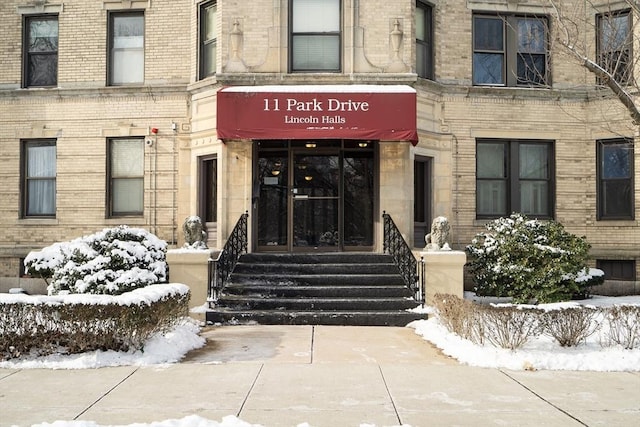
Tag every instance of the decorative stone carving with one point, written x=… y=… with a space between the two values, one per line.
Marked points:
x=236 y=37
x=438 y=239
x=194 y=236
x=396 y=40
x=396 y=36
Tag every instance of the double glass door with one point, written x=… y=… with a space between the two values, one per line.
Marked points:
x=314 y=200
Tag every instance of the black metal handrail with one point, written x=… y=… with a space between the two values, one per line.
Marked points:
x=412 y=270
x=221 y=267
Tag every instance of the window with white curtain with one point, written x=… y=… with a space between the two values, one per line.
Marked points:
x=126 y=48
x=126 y=176
x=40 y=43
x=39 y=178
x=315 y=35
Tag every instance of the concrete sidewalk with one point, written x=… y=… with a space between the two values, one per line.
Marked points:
x=325 y=376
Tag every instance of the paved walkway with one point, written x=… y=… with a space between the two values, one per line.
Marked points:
x=325 y=376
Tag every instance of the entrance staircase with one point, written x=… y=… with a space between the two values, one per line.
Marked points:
x=364 y=289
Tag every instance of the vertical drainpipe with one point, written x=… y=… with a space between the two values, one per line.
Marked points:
x=153 y=180
x=174 y=189
x=155 y=187
x=352 y=35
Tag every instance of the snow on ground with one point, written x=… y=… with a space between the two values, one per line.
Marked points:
x=542 y=352
x=170 y=347
x=164 y=348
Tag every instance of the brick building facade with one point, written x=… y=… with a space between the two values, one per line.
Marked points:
x=109 y=115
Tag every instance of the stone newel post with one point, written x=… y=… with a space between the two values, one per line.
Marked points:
x=444 y=268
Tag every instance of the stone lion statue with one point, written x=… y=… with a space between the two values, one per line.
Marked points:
x=439 y=236
x=194 y=236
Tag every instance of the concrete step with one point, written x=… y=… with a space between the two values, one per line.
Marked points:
x=353 y=279
x=315 y=288
x=317 y=258
x=342 y=318
x=241 y=302
x=343 y=268
x=303 y=291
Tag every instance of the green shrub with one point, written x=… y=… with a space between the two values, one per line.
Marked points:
x=113 y=261
x=530 y=261
x=41 y=325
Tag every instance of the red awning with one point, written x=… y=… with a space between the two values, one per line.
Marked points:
x=375 y=112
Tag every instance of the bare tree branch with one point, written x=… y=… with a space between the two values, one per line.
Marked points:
x=568 y=35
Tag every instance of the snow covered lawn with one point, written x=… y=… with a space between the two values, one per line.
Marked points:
x=171 y=348
x=540 y=353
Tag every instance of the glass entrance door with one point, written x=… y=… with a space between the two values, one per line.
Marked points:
x=271 y=194
x=316 y=199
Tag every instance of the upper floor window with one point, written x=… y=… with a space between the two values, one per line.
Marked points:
x=315 y=35
x=424 y=40
x=208 y=38
x=615 y=179
x=39 y=178
x=514 y=176
x=126 y=176
x=615 y=44
x=40 y=60
x=510 y=50
x=126 y=48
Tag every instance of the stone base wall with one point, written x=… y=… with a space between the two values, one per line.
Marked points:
x=190 y=267
x=444 y=273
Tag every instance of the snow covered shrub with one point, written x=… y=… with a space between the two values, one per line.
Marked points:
x=459 y=316
x=113 y=261
x=41 y=325
x=509 y=327
x=624 y=326
x=571 y=326
x=530 y=260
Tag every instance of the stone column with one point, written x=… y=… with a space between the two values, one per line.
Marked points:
x=190 y=267
x=444 y=273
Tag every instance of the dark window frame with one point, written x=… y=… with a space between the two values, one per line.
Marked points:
x=208 y=168
x=26 y=178
x=617 y=269
x=292 y=35
x=28 y=55
x=111 y=212
x=602 y=182
x=622 y=75
x=204 y=43
x=427 y=44
x=111 y=16
x=422 y=200
x=513 y=180
x=512 y=56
